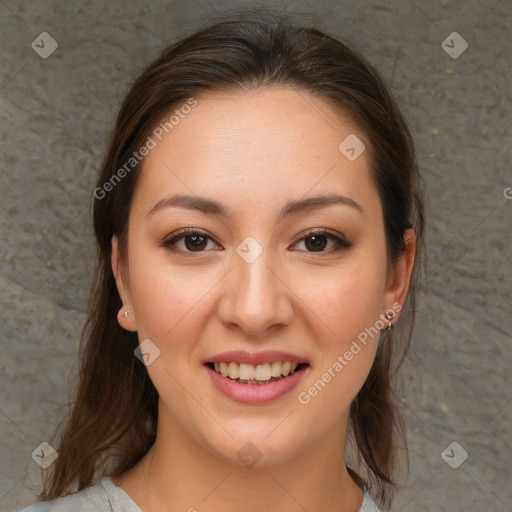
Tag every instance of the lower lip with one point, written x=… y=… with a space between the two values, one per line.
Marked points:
x=255 y=393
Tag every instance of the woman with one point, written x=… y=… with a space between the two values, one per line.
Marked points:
x=259 y=219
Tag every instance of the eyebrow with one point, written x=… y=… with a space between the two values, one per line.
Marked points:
x=205 y=205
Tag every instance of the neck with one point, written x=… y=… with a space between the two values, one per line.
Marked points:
x=179 y=474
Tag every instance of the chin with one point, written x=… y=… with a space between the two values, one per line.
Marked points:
x=257 y=449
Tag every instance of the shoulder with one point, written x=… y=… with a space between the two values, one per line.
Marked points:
x=368 y=505
x=101 y=497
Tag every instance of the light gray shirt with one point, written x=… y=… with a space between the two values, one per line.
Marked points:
x=105 y=496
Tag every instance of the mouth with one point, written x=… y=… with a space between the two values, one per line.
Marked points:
x=265 y=373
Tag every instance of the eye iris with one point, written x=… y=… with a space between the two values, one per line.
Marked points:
x=195 y=242
x=317 y=241
x=197 y=238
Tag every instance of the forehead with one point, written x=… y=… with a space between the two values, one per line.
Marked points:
x=247 y=147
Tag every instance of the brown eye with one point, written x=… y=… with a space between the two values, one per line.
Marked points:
x=317 y=241
x=193 y=241
x=197 y=242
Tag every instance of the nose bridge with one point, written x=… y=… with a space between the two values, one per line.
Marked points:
x=257 y=298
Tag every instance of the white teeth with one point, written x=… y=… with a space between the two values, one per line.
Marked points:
x=246 y=371
x=260 y=372
x=275 y=369
x=263 y=372
x=233 y=370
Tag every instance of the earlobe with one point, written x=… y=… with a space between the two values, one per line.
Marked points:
x=125 y=316
x=126 y=320
x=399 y=284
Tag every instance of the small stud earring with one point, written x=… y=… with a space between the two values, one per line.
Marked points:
x=126 y=313
x=389 y=317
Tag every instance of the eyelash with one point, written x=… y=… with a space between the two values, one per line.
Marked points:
x=169 y=243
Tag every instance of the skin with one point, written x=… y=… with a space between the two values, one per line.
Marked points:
x=253 y=152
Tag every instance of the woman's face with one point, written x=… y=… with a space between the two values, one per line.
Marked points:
x=253 y=279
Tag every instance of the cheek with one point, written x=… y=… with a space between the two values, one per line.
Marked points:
x=349 y=306
x=168 y=301
x=170 y=309
x=349 y=300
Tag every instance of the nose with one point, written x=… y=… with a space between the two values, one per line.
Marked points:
x=256 y=298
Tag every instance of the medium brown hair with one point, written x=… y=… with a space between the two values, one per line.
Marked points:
x=113 y=420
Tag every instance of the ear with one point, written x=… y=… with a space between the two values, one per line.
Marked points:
x=126 y=315
x=400 y=277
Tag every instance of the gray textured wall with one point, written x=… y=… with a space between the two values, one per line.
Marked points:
x=56 y=114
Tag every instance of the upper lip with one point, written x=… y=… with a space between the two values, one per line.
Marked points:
x=255 y=358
